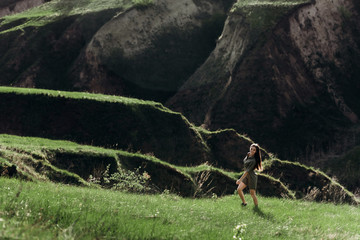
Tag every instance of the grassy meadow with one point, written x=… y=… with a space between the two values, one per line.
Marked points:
x=53 y=211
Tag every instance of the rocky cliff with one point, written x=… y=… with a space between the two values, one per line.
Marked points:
x=292 y=85
x=145 y=50
x=150 y=52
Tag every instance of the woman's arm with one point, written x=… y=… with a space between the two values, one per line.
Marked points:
x=242 y=177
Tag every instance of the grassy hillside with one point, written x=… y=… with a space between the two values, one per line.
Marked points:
x=53 y=10
x=54 y=211
x=39 y=159
x=112 y=122
x=118 y=123
x=137 y=133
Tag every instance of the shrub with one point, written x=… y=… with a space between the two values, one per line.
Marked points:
x=125 y=180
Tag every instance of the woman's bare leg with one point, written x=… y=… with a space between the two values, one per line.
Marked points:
x=240 y=191
x=253 y=195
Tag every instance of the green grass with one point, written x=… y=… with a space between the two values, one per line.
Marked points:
x=42 y=148
x=263 y=15
x=78 y=95
x=53 y=211
x=40 y=159
x=55 y=9
x=51 y=11
x=207 y=167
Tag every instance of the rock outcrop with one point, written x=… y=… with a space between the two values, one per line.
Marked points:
x=150 y=52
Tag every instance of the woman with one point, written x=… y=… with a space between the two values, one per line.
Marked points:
x=252 y=161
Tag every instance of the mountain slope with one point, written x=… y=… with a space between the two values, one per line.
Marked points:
x=291 y=83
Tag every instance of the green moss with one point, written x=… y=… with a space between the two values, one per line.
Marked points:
x=79 y=95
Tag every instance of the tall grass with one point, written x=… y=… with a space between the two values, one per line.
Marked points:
x=52 y=211
x=77 y=95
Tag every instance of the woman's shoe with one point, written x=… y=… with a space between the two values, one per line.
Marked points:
x=243 y=204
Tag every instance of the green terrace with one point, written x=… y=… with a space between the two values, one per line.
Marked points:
x=56 y=9
x=39 y=159
x=93 y=139
x=79 y=95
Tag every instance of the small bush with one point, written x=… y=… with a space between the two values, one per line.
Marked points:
x=125 y=180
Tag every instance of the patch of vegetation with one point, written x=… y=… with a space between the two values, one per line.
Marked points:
x=54 y=211
x=80 y=95
x=140 y=126
x=41 y=159
x=55 y=9
x=62 y=161
x=263 y=15
x=142 y=4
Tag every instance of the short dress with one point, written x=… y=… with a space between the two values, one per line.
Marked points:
x=251 y=179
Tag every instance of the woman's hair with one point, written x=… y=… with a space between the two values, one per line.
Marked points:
x=257 y=156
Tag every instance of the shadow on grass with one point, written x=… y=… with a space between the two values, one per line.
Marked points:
x=263 y=214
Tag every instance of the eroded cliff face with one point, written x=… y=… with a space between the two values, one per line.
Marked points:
x=143 y=51
x=293 y=89
x=150 y=52
x=209 y=83
x=324 y=36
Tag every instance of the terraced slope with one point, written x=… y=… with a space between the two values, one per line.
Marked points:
x=39 y=159
x=99 y=120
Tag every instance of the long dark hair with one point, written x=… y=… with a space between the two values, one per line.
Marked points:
x=257 y=156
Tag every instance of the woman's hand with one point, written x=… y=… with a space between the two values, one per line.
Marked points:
x=238 y=182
